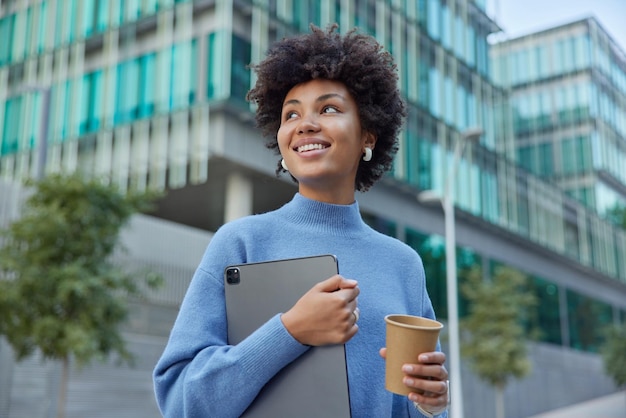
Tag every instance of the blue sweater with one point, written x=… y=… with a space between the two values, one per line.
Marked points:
x=197 y=369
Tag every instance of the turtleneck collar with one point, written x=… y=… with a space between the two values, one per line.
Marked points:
x=327 y=217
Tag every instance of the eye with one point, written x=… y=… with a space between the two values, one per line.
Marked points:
x=290 y=114
x=330 y=109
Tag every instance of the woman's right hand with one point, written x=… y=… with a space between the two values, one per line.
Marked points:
x=325 y=314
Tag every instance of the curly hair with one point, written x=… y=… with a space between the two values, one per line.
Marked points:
x=356 y=60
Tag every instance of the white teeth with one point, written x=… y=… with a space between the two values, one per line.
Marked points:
x=310 y=147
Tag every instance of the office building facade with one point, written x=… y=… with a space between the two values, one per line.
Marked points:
x=151 y=94
x=568 y=95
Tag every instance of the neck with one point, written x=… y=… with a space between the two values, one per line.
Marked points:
x=334 y=195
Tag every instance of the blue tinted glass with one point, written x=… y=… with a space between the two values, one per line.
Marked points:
x=146 y=85
x=6 y=34
x=12 y=123
x=434 y=10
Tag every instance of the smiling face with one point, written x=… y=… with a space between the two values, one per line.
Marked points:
x=321 y=139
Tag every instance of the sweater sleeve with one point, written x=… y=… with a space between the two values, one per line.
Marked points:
x=198 y=374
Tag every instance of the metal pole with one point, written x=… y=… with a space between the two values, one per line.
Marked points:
x=456 y=391
x=447 y=203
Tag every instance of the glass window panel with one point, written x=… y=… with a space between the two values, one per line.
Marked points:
x=216 y=87
x=434 y=85
x=12 y=125
x=461 y=108
x=547 y=311
x=88 y=21
x=432 y=250
x=567 y=50
x=6 y=33
x=240 y=75
x=470 y=46
x=459 y=38
x=449 y=100
x=91 y=103
x=131 y=10
x=423 y=83
x=41 y=27
x=587 y=320
x=433 y=21
x=147 y=68
x=126 y=92
x=28 y=38
x=60 y=96
x=183 y=69
x=546 y=160
x=446 y=32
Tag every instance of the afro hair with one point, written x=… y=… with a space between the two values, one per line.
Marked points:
x=356 y=60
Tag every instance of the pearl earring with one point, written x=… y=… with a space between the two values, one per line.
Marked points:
x=368 y=154
x=284 y=164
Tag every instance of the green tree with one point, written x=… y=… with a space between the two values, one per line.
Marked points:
x=617 y=215
x=493 y=331
x=614 y=354
x=60 y=292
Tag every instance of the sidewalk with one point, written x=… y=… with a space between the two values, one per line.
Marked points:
x=611 y=406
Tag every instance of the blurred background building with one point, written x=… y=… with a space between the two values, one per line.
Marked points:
x=151 y=93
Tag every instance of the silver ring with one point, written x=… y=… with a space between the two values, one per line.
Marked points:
x=356 y=314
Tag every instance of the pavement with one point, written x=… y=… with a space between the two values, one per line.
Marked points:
x=611 y=406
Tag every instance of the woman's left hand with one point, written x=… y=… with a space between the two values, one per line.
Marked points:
x=428 y=380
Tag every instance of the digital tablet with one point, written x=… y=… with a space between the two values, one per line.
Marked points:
x=315 y=384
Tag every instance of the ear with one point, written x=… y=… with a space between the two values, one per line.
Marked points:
x=368 y=139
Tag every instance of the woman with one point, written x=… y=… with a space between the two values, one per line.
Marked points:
x=331 y=107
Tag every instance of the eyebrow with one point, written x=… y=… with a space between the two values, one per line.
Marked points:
x=322 y=98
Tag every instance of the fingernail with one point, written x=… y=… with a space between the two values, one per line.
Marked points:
x=408 y=381
x=407 y=369
x=423 y=358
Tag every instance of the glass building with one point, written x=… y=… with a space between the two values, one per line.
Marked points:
x=151 y=93
x=568 y=94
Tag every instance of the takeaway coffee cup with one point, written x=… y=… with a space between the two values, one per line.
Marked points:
x=407 y=337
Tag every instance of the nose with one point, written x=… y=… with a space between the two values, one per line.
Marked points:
x=308 y=123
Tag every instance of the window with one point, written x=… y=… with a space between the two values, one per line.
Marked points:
x=6 y=34
x=126 y=91
x=547 y=310
x=240 y=75
x=12 y=125
x=587 y=318
x=183 y=70
x=91 y=103
x=432 y=250
x=433 y=21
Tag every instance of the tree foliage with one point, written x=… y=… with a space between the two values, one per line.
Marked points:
x=60 y=292
x=617 y=215
x=614 y=354
x=494 y=335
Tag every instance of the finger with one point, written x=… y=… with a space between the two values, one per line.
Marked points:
x=436 y=394
x=434 y=372
x=435 y=357
x=335 y=283
x=383 y=352
x=348 y=283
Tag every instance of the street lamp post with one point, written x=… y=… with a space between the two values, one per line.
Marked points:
x=447 y=203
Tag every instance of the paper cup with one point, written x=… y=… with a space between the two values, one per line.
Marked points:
x=407 y=337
